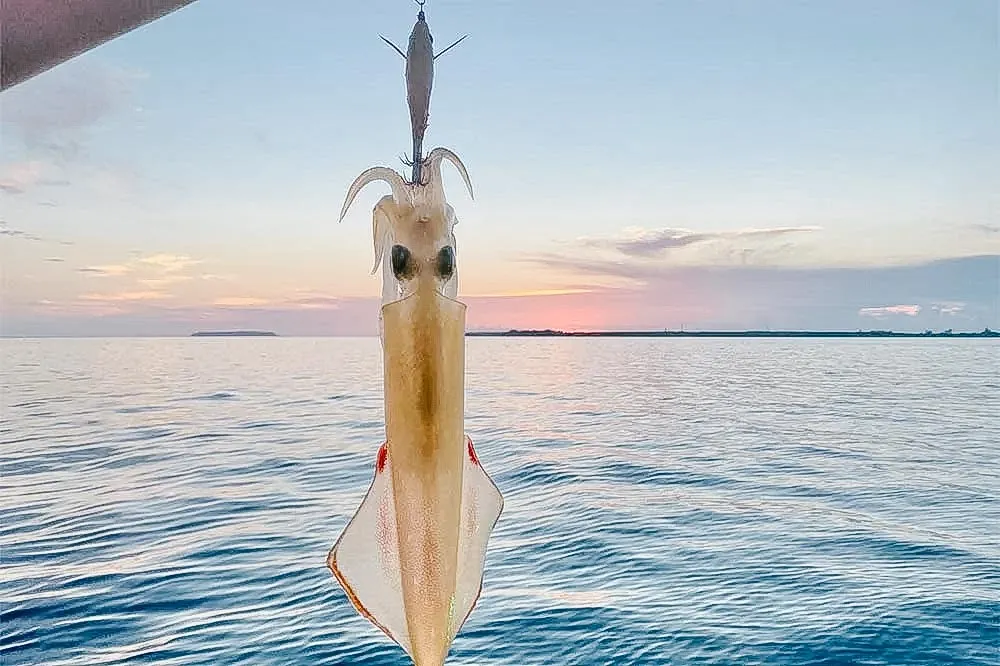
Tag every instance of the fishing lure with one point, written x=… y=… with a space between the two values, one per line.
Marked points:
x=411 y=559
x=419 y=59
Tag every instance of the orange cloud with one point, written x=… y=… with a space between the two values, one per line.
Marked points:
x=126 y=296
x=239 y=302
x=164 y=281
x=169 y=262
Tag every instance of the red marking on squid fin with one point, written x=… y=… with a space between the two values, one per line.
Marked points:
x=383 y=453
x=472 y=452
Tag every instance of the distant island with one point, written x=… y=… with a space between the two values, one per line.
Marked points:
x=986 y=333
x=234 y=334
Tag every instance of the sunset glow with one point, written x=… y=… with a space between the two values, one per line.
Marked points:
x=152 y=189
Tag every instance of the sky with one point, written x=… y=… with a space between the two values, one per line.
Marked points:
x=719 y=164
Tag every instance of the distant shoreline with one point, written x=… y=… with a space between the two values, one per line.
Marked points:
x=547 y=333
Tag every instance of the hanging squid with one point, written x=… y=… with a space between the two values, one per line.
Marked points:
x=411 y=559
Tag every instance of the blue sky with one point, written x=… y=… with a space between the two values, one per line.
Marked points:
x=635 y=164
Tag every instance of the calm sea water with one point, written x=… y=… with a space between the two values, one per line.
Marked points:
x=172 y=501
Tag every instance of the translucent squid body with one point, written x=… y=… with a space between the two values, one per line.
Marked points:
x=411 y=559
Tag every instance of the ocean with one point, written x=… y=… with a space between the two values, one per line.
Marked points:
x=668 y=501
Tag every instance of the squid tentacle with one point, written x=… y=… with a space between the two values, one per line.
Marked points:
x=400 y=192
x=434 y=160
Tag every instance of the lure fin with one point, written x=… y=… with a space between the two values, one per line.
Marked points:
x=445 y=50
x=365 y=559
x=395 y=48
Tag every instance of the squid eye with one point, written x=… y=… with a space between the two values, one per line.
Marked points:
x=403 y=265
x=446 y=262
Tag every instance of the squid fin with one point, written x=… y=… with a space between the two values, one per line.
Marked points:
x=365 y=558
x=482 y=504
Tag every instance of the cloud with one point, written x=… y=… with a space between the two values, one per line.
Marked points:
x=165 y=281
x=882 y=312
x=169 y=263
x=986 y=229
x=304 y=302
x=962 y=293
x=948 y=308
x=17 y=233
x=55 y=260
x=10 y=232
x=54 y=113
x=142 y=278
x=316 y=302
x=637 y=242
x=690 y=297
x=126 y=296
x=239 y=302
x=589 y=267
x=17 y=178
x=141 y=287
x=791 y=297
x=166 y=269
x=112 y=270
x=52 y=117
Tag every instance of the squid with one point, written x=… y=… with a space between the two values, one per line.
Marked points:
x=411 y=559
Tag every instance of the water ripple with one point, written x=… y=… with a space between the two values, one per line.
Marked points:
x=681 y=501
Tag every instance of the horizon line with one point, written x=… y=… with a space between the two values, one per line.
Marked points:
x=987 y=332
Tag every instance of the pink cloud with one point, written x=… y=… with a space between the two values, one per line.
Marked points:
x=16 y=178
x=908 y=310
